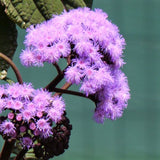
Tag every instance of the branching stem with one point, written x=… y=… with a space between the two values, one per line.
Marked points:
x=50 y=87
x=61 y=91
x=63 y=88
x=57 y=68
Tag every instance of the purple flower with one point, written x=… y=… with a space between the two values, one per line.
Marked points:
x=73 y=75
x=32 y=126
x=31 y=107
x=9 y=103
x=41 y=99
x=10 y=115
x=22 y=129
x=17 y=105
x=54 y=114
x=27 y=142
x=32 y=114
x=99 y=115
x=2 y=105
x=7 y=128
x=16 y=90
x=113 y=99
x=94 y=47
x=19 y=117
x=13 y=90
x=28 y=112
x=85 y=32
x=1 y=91
x=44 y=127
x=58 y=104
x=27 y=58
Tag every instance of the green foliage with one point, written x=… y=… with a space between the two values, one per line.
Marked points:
x=70 y=4
x=88 y=3
x=8 y=40
x=27 y=12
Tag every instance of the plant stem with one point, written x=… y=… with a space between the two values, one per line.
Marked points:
x=7 y=149
x=21 y=154
x=57 y=68
x=64 y=6
x=61 y=91
x=15 y=69
x=50 y=87
x=64 y=88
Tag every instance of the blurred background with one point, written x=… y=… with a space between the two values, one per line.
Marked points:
x=135 y=136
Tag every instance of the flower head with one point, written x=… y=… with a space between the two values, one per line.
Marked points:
x=28 y=113
x=44 y=127
x=27 y=142
x=80 y=31
x=94 y=47
x=7 y=128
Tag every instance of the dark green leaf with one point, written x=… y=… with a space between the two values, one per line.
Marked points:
x=8 y=39
x=27 y=12
x=49 y=7
x=23 y=12
x=89 y=3
x=70 y=4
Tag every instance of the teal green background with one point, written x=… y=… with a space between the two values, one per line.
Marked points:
x=135 y=136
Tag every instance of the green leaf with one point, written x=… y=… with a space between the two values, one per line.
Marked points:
x=27 y=12
x=49 y=7
x=70 y=4
x=8 y=40
x=8 y=80
x=88 y=3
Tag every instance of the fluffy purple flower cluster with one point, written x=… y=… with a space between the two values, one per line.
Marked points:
x=28 y=111
x=95 y=49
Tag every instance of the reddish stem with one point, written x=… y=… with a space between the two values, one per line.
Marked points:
x=15 y=69
x=63 y=88
x=50 y=87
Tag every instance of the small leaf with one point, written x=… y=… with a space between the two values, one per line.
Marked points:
x=8 y=80
x=3 y=74
x=8 y=39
